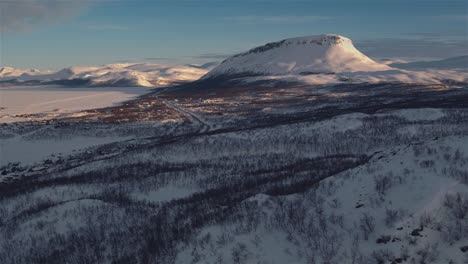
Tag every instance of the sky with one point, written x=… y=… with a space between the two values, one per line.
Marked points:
x=53 y=34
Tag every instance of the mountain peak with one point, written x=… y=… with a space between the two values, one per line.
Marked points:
x=327 y=53
x=320 y=40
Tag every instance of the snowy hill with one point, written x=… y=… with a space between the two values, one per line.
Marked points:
x=460 y=62
x=302 y=55
x=9 y=72
x=128 y=74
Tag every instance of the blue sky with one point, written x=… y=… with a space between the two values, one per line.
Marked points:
x=52 y=34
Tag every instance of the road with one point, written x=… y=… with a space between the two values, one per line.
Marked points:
x=204 y=127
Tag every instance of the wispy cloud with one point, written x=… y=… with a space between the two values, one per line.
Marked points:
x=159 y=59
x=26 y=15
x=444 y=34
x=107 y=27
x=211 y=56
x=276 y=19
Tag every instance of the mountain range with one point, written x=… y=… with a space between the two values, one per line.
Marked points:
x=127 y=74
x=319 y=59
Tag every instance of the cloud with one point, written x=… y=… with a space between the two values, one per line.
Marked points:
x=160 y=59
x=107 y=27
x=124 y=61
x=445 y=34
x=25 y=15
x=211 y=56
x=413 y=48
x=276 y=19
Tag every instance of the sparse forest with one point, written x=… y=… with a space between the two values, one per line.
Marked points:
x=351 y=175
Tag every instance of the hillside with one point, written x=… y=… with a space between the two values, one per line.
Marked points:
x=352 y=173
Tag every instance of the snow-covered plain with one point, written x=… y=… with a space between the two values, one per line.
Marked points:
x=16 y=103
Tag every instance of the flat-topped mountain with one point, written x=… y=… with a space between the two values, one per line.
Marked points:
x=303 y=55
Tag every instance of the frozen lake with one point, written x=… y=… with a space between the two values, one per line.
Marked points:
x=39 y=99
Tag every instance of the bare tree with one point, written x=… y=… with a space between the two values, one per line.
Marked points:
x=367 y=224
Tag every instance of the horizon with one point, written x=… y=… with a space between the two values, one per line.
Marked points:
x=55 y=34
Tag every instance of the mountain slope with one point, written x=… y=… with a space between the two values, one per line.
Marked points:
x=302 y=55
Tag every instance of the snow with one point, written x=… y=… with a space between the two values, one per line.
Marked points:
x=341 y=123
x=391 y=61
x=59 y=100
x=460 y=62
x=164 y=194
x=60 y=218
x=17 y=149
x=415 y=191
x=329 y=59
x=396 y=75
x=9 y=72
x=313 y=54
x=128 y=74
x=258 y=198
x=419 y=114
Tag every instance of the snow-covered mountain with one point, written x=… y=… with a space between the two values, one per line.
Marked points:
x=303 y=55
x=9 y=72
x=128 y=74
x=460 y=62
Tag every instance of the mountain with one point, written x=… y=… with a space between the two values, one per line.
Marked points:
x=460 y=62
x=127 y=74
x=303 y=55
x=9 y=72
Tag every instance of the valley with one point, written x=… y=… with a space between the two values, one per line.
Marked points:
x=303 y=150
x=217 y=177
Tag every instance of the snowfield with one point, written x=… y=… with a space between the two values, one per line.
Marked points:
x=17 y=103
